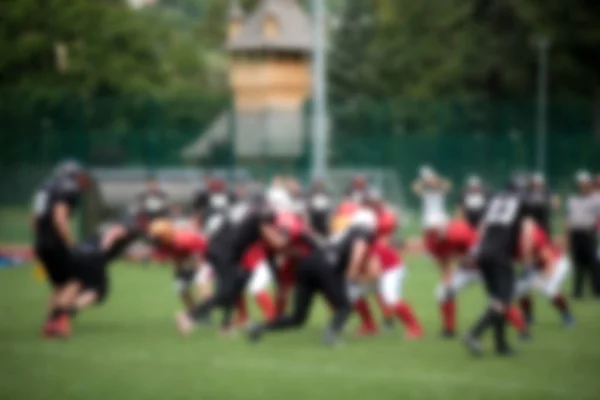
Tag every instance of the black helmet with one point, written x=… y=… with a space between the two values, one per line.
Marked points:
x=518 y=182
x=69 y=169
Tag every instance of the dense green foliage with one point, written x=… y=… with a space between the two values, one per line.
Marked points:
x=482 y=49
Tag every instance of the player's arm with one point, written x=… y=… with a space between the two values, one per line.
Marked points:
x=547 y=256
x=111 y=236
x=372 y=268
x=417 y=187
x=357 y=257
x=527 y=240
x=275 y=238
x=445 y=185
x=60 y=217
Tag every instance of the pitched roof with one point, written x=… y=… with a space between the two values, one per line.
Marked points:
x=295 y=33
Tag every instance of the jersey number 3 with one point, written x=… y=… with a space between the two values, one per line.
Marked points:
x=502 y=211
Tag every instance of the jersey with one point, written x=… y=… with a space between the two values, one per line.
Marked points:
x=238 y=230
x=542 y=247
x=52 y=192
x=433 y=202
x=209 y=203
x=474 y=204
x=361 y=227
x=153 y=204
x=458 y=239
x=502 y=227
x=538 y=205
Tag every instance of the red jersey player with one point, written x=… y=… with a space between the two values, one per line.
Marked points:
x=391 y=273
x=449 y=243
x=548 y=271
x=186 y=248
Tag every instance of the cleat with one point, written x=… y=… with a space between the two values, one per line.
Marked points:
x=448 y=334
x=388 y=324
x=506 y=352
x=185 y=325
x=255 y=333
x=473 y=346
x=414 y=334
x=568 y=320
x=331 y=339
x=525 y=336
x=61 y=327
x=366 y=330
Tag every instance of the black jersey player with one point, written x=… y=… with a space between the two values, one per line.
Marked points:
x=53 y=206
x=241 y=228
x=325 y=269
x=93 y=256
x=500 y=233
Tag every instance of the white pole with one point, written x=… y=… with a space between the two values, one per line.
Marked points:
x=319 y=105
x=543 y=45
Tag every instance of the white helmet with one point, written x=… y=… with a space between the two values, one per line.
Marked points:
x=280 y=199
x=364 y=218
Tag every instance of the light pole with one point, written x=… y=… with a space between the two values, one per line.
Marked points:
x=319 y=104
x=543 y=47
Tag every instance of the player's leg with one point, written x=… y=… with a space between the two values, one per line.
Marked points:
x=504 y=293
x=550 y=286
x=390 y=289
x=446 y=295
x=356 y=294
x=333 y=287
x=304 y=292
x=258 y=288
x=494 y=312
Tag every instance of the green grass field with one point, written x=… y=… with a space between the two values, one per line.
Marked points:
x=129 y=349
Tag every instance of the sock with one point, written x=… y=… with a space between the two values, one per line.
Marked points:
x=387 y=311
x=448 y=309
x=525 y=304
x=482 y=323
x=405 y=313
x=72 y=311
x=202 y=309
x=560 y=302
x=339 y=319
x=265 y=303
x=362 y=308
x=242 y=310
x=514 y=316
x=55 y=313
x=499 y=323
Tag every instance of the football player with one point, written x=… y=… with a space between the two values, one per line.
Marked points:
x=547 y=274
x=391 y=275
x=53 y=205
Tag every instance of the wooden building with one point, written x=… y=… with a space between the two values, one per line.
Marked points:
x=270 y=80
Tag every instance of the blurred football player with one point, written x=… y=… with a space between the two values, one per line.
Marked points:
x=93 y=257
x=501 y=234
x=391 y=274
x=53 y=205
x=547 y=274
x=432 y=189
x=473 y=201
